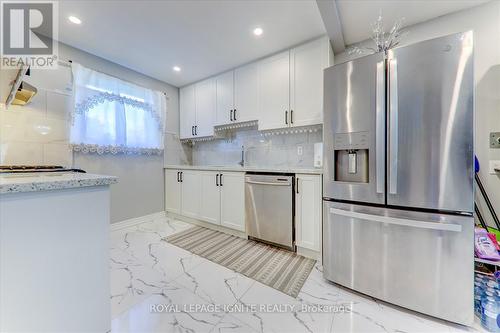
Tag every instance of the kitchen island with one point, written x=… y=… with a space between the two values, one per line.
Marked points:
x=54 y=249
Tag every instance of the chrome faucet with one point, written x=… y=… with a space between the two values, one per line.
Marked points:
x=242 y=162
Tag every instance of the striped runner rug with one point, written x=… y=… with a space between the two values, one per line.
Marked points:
x=278 y=268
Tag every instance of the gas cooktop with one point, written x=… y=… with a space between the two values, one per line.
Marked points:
x=35 y=168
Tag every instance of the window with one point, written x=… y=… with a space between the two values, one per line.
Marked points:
x=114 y=116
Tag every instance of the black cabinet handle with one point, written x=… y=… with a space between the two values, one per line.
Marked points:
x=178 y=175
x=234 y=114
x=297 y=185
x=220 y=180
x=231 y=115
x=182 y=176
x=196 y=130
x=291 y=116
x=192 y=130
x=286 y=117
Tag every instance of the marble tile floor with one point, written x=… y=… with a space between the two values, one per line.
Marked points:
x=157 y=287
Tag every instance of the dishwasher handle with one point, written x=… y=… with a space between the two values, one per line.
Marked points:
x=267 y=183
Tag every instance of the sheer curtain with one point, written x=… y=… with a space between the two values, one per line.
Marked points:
x=115 y=116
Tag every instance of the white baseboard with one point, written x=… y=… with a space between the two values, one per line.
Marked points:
x=309 y=253
x=135 y=221
x=207 y=225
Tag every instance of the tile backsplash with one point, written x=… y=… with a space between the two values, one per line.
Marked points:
x=176 y=153
x=37 y=133
x=292 y=150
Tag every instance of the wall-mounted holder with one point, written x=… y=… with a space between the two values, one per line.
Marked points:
x=495 y=140
x=293 y=130
x=192 y=141
x=228 y=127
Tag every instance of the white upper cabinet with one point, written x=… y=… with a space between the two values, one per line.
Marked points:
x=225 y=98
x=187 y=112
x=274 y=91
x=246 y=93
x=205 y=96
x=238 y=95
x=284 y=90
x=307 y=63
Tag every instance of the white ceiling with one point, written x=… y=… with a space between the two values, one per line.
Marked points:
x=202 y=37
x=207 y=37
x=357 y=16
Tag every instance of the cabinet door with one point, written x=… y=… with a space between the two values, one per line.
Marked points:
x=225 y=97
x=233 y=200
x=246 y=92
x=209 y=197
x=172 y=191
x=205 y=107
x=307 y=63
x=274 y=91
x=308 y=211
x=191 y=188
x=187 y=108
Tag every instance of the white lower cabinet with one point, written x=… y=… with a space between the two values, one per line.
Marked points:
x=308 y=193
x=190 y=193
x=172 y=191
x=232 y=200
x=211 y=196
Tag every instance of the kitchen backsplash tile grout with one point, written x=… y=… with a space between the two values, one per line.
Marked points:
x=260 y=151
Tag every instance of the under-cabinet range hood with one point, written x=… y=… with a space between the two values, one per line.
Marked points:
x=13 y=89
x=24 y=94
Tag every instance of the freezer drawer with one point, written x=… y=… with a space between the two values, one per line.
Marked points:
x=416 y=260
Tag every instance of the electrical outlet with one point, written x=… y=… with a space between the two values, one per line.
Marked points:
x=299 y=150
x=495 y=140
x=494 y=165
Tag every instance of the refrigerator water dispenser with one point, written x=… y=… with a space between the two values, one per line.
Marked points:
x=351 y=157
x=351 y=165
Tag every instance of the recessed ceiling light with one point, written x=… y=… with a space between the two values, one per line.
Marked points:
x=176 y=69
x=258 y=31
x=75 y=20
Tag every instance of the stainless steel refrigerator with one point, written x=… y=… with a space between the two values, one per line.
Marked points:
x=398 y=176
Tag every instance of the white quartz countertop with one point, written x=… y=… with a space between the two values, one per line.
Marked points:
x=46 y=181
x=244 y=169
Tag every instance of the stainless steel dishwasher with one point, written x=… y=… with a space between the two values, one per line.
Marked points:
x=269 y=208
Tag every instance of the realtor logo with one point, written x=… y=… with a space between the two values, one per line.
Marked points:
x=29 y=33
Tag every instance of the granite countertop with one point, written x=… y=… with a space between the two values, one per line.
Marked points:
x=46 y=181
x=245 y=169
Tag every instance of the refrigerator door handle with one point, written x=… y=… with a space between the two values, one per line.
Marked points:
x=398 y=221
x=393 y=126
x=380 y=127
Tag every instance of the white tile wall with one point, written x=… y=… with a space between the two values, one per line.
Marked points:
x=37 y=133
x=275 y=151
x=175 y=152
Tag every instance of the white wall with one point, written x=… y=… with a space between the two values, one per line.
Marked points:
x=140 y=189
x=485 y=22
x=39 y=134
